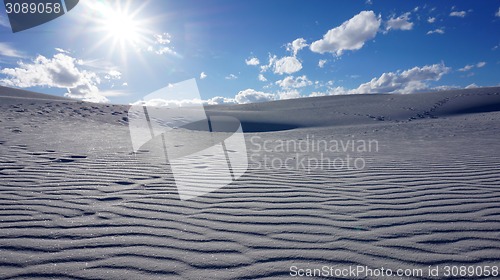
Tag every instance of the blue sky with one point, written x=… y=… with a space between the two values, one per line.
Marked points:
x=248 y=51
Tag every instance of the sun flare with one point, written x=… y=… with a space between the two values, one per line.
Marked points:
x=122 y=28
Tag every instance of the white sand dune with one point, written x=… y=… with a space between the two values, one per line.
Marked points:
x=76 y=203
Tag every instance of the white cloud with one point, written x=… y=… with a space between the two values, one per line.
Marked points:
x=458 y=14
x=161 y=45
x=113 y=75
x=351 y=35
x=321 y=63
x=296 y=46
x=291 y=82
x=317 y=93
x=287 y=65
x=445 y=87
x=480 y=64
x=164 y=50
x=203 y=75
x=431 y=20
x=400 y=23
x=408 y=81
x=471 y=66
x=498 y=12
x=291 y=94
x=436 y=31
x=262 y=78
x=466 y=68
x=60 y=71
x=243 y=97
x=251 y=96
x=332 y=91
x=163 y=39
x=231 y=77
x=220 y=100
x=4 y=21
x=7 y=50
x=61 y=50
x=272 y=60
x=338 y=91
x=472 y=86
x=170 y=103
x=252 y=61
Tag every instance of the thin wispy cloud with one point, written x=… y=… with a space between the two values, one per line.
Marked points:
x=469 y=67
x=8 y=50
x=4 y=22
x=436 y=31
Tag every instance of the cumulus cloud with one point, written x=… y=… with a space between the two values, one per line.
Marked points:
x=170 y=103
x=408 y=81
x=163 y=39
x=161 y=45
x=252 y=61
x=316 y=94
x=321 y=63
x=287 y=65
x=296 y=46
x=291 y=82
x=262 y=78
x=338 y=91
x=290 y=94
x=458 y=14
x=332 y=91
x=7 y=50
x=242 y=97
x=113 y=75
x=203 y=75
x=497 y=14
x=284 y=65
x=351 y=35
x=87 y=92
x=399 y=23
x=60 y=71
x=431 y=20
x=220 y=100
x=436 y=31
x=252 y=96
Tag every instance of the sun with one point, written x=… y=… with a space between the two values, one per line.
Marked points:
x=121 y=26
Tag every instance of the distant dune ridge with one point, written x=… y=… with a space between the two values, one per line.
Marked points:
x=76 y=202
